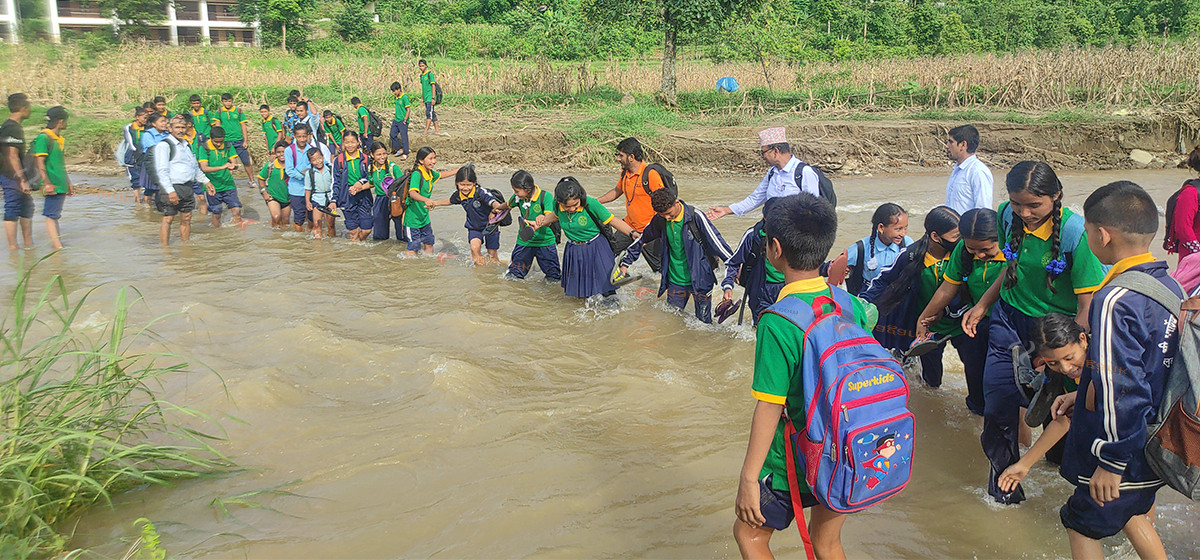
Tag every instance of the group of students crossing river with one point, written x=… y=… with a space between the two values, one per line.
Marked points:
x=1059 y=318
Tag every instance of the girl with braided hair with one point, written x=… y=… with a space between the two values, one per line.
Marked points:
x=1050 y=270
x=974 y=265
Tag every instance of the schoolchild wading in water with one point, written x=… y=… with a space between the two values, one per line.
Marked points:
x=1050 y=270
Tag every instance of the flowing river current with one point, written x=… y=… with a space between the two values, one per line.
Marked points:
x=382 y=407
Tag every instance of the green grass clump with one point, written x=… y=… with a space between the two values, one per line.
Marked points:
x=81 y=417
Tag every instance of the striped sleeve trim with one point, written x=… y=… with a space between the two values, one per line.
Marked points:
x=769 y=398
x=40 y=154
x=949 y=280
x=1104 y=368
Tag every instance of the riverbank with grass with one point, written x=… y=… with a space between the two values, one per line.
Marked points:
x=1077 y=108
x=82 y=414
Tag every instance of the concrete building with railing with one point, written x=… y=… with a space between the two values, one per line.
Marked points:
x=9 y=21
x=186 y=22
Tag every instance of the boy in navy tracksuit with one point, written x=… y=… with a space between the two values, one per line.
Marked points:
x=761 y=279
x=689 y=239
x=1134 y=340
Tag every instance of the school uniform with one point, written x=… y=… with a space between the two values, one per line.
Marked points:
x=363 y=116
x=416 y=215
x=274 y=178
x=1134 y=341
x=542 y=246
x=686 y=271
x=272 y=131
x=318 y=184
x=133 y=143
x=202 y=121
x=399 y=130
x=977 y=277
x=383 y=225
x=897 y=329
x=296 y=164
x=231 y=120
x=225 y=190
x=587 y=260
x=150 y=138
x=427 y=81
x=867 y=258
x=49 y=145
x=1013 y=317
x=355 y=208
x=478 y=206
x=762 y=280
x=778 y=362
x=333 y=132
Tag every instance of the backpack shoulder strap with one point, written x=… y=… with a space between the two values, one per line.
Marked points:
x=1150 y=287
x=1006 y=219
x=1072 y=233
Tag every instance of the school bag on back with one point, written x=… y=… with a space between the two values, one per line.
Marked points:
x=1173 y=441
x=1071 y=233
x=1170 y=242
x=824 y=184
x=854 y=446
x=374 y=124
x=397 y=190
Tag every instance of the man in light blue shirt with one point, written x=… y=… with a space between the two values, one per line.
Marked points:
x=780 y=181
x=175 y=169
x=970 y=184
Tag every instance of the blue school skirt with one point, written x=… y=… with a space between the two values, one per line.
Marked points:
x=587 y=267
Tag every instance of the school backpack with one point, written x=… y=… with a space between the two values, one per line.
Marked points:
x=1071 y=233
x=148 y=179
x=856 y=283
x=854 y=446
x=437 y=93
x=374 y=124
x=714 y=261
x=1170 y=242
x=1173 y=440
x=397 y=192
x=824 y=184
x=122 y=152
x=668 y=180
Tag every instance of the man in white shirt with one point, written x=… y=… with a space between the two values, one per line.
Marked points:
x=780 y=180
x=970 y=184
x=176 y=168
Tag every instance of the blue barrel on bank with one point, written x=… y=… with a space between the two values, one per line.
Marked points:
x=727 y=84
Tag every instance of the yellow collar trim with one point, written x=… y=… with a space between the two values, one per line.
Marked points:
x=137 y=126
x=209 y=144
x=278 y=164
x=426 y=174
x=377 y=167
x=1043 y=231
x=354 y=157
x=1126 y=264
x=931 y=260
x=679 y=218
x=808 y=286
x=62 y=142
x=229 y=110
x=202 y=111
x=268 y=117
x=998 y=258
x=537 y=193
x=469 y=195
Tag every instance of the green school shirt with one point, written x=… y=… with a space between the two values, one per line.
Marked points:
x=222 y=180
x=378 y=174
x=333 y=132
x=231 y=120
x=678 y=271
x=980 y=276
x=364 y=120
x=928 y=283
x=541 y=202
x=276 y=179
x=417 y=215
x=773 y=275
x=402 y=104
x=778 y=379
x=578 y=226
x=47 y=145
x=427 y=81
x=272 y=128
x=202 y=120
x=1029 y=295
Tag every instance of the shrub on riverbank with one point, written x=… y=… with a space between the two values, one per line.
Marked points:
x=81 y=416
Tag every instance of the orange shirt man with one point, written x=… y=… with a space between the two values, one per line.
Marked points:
x=638 y=212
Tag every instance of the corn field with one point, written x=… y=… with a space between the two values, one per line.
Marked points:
x=1141 y=75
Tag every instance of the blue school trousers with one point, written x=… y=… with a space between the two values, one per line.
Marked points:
x=677 y=296
x=973 y=353
x=522 y=261
x=399 y=136
x=1002 y=399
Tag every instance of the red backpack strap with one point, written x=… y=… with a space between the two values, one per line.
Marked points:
x=794 y=485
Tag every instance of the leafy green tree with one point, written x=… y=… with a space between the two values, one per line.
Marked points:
x=673 y=17
x=353 y=23
x=280 y=21
x=137 y=15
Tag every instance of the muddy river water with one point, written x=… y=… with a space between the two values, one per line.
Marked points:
x=417 y=408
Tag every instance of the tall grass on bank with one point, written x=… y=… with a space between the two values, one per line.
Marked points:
x=1140 y=75
x=80 y=417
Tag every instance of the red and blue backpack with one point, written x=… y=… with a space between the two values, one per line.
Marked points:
x=854 y=446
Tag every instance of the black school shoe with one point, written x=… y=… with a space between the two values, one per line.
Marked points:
x=1038 y=412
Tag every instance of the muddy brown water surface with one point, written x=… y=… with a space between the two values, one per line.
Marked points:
x=412 y=408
